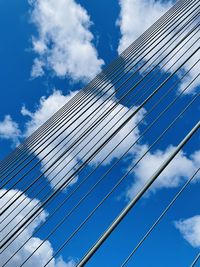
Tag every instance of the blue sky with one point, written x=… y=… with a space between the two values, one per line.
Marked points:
x=30 y=93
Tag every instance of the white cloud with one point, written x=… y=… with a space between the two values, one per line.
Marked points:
x=49 y=105
x=61 y=263
x=196 y=158
x=137 y=16
x=181 y=168
x=64 y=43
x=190 y=230
x=45 y=109
x=44 y=252
x=195 y=87
x=9 y=129
x=37 y=69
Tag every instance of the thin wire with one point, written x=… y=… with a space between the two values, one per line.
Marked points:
x=160 y=217
x=34 y=157
x=177 y=5
x=160 y=136
x=180 y=114
x=40 y=190
x=111 y=104
x=127 y=102
x=97 y=183
x=195 y=261
x=15 y=184
x=92 y=147
x=99 y=148
x=75 y=232
x=105 y=174
x=133 y=202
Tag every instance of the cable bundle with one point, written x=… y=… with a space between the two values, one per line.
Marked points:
x=99 y=122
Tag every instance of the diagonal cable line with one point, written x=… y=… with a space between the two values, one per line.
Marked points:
x=116 y=162
x=132 y=203
x=131 y=130
x=122 y=125
x=60 y=187
x=95 y=132
x=145 y=131
x=173 y=8
x=161 y=136
x=169 y=206
x=161 y=68
x=196 y=260
x=75 y=232
x=109 y=106
x=147 y=151
x=101 y=129
x=67 y=216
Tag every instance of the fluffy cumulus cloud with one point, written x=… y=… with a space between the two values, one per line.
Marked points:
x=133 y=23
x=9 y=129
x=137 y=16
x=181 y=168
x=46 y=108
x=190 y=230
x=61 y=263
x=64 y=43
x=44 y=252
x=74 y=157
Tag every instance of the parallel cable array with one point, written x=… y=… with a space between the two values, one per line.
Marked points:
x=160 y=217
x=97 y=129
x=122 y=69
x=101 y=75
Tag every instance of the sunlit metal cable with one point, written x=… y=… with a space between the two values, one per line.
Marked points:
x=161 y=217
x=61 y=118
x=196 y=260
x=120 y=118
x=165 y=130
x=120 y=181
x=132 y=203
x=93 y=187
x=100 y=147
x=116 y=162
x=173 y=8
x=167 y=62
x=101 y=129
